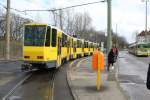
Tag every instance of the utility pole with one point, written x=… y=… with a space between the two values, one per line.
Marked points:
x=116 y=36
x=8 y=31
x=146 y=15
x=146 y=2
x=109 y=37
x=146 y=38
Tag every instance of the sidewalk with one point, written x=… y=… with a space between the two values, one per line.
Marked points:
x=7 y=61
x=82 y=80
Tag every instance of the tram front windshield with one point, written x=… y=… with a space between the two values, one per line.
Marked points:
x=34 y=35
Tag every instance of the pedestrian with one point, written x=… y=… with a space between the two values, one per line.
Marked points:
x=115 y=51
x=148 y=78
x=111 y=57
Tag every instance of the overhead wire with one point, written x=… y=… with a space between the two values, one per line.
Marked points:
x=58 y=9
x=67 y=7
x=52 y=10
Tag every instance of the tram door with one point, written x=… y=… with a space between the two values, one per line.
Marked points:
x=74 y=49
x=82 y=44
x=68 y=49
x=59 y=52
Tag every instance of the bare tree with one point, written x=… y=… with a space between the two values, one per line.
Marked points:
x=69 y=27
x=61 y=19
x=55 y=22
x=2 y=25
x=82 y=24
x=17 y=24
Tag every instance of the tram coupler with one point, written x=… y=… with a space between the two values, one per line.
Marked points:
x=26 y=67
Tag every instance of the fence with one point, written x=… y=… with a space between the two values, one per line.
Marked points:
x=15 y=49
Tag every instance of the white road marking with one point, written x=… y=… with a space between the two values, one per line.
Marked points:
x=12 y=90
x=52 y=92
x=14 y=97
x=6 y=72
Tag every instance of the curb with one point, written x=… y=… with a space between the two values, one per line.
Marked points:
x=126 y=95
x=70 y=84
x=74 y=94
x=7 y=61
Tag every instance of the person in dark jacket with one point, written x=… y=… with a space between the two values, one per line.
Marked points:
x=148 y=78
x=115 y=50
x=111 y=57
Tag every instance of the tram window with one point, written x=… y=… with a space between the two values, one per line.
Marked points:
x=78 y=44
x=84 y=45
x=47 y=42
x=54 y=35
x=72 y=43
x=34 y=35
x=64 y=40
x=68 y=42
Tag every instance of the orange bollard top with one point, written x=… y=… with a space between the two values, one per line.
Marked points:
x=101 y=61
x=95 y=59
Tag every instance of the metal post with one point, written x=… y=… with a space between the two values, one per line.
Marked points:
x=8 y=31
x=109 y=38
x=98 y=81
x=146 y=16
x=116 y=36
x=146 y=21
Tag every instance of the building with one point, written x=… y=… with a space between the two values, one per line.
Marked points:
x=143 y=37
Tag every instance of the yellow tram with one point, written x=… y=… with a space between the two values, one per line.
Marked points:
x=48 y=46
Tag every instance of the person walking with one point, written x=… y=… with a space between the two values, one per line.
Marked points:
x=111 y=57
x=115 y=51
x=148 y=78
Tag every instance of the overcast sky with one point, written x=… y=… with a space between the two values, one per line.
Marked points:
x=129 y=15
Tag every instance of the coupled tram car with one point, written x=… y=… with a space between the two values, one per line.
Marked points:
x=47 y=47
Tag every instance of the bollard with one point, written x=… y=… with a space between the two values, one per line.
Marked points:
x=95 y=60
x=98 y=82
x=98 y=65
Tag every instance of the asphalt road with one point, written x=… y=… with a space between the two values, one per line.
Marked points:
x=36 y=85
x=62 y=90
x=132 y=75
x=10 y=74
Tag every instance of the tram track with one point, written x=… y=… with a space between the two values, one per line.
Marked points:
x=15 y=87
x=38 y=84
x=51 y=86
x=43 y=85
